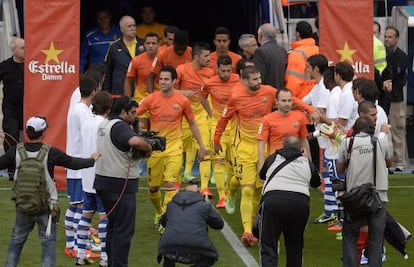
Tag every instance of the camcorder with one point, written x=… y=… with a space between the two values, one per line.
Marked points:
x=158 y=143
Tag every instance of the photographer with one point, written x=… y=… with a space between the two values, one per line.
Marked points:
x=116 y=180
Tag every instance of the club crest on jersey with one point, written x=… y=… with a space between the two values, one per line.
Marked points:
x=265 y=100
x=296 y=124
x=176 y=107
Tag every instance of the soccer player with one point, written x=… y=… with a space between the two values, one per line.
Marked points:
x=249 y=103
x=280 y=124
x=219 y=87
x=191 y=82
x=222 y=43
x=167 y=109
x=102 y=103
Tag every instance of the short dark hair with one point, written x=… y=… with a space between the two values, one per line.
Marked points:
x=31 y=134
x=283 y=89
x=378 y=25
x=199 y=47
x=368 y=90
x=181 y=38
x=397 y=32
x=248 y=71
x=224 y=60
x=171 y=70
x=319 y=61
x=329 y=78
x=87 y=85
x=170 y=29
x=345 y=71
x=241 y=64
x=304 y=29
x=357 y=82
x=363 y=125
x=152 y=34
x=94 y=74
x=123 y=103
x=365 y=106
x=102 y=103
x=222 y=30
x=100 y=67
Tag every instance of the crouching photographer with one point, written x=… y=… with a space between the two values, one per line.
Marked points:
x=116 y=180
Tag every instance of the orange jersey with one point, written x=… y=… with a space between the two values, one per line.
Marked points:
x=191 y=79
x=213 y=60
x=250 y=108
x=168 y=57
x=166 y=116
x=139 y=69
x=275 y=127
x=220 y=92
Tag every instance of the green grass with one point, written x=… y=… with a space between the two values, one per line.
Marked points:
x=321 y=247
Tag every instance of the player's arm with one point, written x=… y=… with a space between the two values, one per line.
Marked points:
x=129 y=86
x=304 y=144
x=206 y=105
x=261 y=153
x=196 y=132
x=227 y=115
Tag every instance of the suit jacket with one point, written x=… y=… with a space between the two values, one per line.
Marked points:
x=271 y=60
x=117 y=61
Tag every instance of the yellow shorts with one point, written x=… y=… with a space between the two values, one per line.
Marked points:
x=164 y=169
x=189 y=142
x=246 y=162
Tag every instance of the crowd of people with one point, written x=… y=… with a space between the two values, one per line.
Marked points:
x=245 y=114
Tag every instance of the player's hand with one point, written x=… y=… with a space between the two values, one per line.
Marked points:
x=202 y=152
x=315 y=117
x=385 y=128
x=387 y=85
x=218 y=148
x=96 y=155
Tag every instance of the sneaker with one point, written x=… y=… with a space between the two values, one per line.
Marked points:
x=248 y=239
x=337 y=226
x=187 y=178
x=70 y=252
x=161 y=229
x=364 y=260
x=207 y=192
x=91 y=255
x=323 y=218
x=383 y=256
x=157 y=219
x=339 y=236
x=95 y=239
x=93 y=247
x=103 y=263
x=85 y=261
x=221 y=204
x=230 y=205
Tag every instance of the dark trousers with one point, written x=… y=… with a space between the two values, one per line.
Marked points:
x=196 y=260
x=12 y=123
x=314 y=147
x=121 y=226
x=287 y=213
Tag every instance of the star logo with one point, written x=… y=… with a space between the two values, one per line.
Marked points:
x=52 y=53
x=346 y=53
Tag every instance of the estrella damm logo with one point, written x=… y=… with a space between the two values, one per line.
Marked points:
x=52 y=68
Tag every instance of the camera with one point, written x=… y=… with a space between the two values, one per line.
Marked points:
x=158 y=143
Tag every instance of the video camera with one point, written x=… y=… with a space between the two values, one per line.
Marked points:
x=158 y=143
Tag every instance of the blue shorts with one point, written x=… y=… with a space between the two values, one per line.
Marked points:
x=75 y=191
x=93 y=203
x=330 y=164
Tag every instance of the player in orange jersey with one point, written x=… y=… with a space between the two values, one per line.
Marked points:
x=222 y=43
x=219 y=87
x=167 y=109
x=279 y=124
x=249 y=102
x=191 y=82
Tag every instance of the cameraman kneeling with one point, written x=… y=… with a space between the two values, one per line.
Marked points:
x=117 y=177
x=186 y=222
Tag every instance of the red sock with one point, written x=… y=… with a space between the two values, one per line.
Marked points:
x=362 y=242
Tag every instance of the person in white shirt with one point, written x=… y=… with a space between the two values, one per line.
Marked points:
x=102 y=104
x=79 y=113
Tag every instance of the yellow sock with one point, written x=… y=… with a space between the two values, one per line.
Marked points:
x=246 y=206
x=169 y=194
x=189 y=160
x=156 y=200
x=256 y=199
x=205 y=172
x=233 y=186
x=219 y=174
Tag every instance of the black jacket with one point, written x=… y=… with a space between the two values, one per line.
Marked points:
x=397 y=64
x=117 y=61
x=186 y=224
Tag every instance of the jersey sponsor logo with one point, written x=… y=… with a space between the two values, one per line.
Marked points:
x=53 y=68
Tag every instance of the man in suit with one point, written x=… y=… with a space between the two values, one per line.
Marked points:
x=270 y=58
